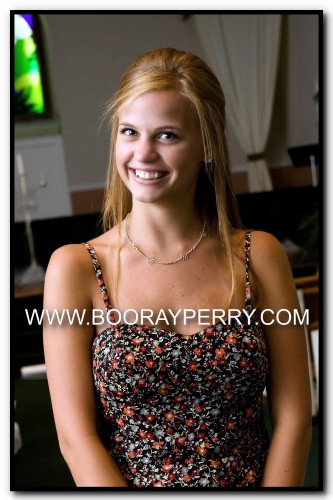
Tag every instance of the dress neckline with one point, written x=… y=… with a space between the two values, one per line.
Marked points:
x=211 y=330
x=108 y=307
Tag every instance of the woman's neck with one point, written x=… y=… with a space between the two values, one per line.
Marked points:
x=157 y=229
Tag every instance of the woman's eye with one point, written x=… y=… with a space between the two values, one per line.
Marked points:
x=168 y=135
x=127 y=131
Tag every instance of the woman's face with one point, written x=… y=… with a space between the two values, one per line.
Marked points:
x=159 y=148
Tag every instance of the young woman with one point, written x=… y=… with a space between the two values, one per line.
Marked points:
x=151 y=397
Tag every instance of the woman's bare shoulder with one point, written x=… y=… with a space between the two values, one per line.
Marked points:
x=71 y=256
x=267 y=255
x=69 y=269
x=72 y=262
x=266 y=248
x=269 y=261
x=262 y=241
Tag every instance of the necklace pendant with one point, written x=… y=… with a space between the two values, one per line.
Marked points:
x=152 y=260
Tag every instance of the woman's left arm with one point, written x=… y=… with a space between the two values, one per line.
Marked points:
x=288 y=386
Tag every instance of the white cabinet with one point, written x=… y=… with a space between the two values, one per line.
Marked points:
x=43 y=163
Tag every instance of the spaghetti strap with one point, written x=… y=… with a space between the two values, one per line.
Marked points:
x=248 y=304
x=99 y=275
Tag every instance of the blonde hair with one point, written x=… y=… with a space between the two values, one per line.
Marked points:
x=171 y=69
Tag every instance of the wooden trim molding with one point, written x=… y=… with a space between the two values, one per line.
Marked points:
x=90 y=201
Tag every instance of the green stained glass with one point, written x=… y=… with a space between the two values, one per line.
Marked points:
x=29 y=98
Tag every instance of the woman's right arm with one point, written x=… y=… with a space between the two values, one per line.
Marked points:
x=67 y=351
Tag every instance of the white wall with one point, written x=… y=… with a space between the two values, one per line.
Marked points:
x=88 y=54
x=295 y=118
x=302 y=67
x=41 y=187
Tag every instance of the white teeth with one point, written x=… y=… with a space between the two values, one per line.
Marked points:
x=146 y=175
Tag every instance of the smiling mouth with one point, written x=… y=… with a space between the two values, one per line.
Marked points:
x=153 y=175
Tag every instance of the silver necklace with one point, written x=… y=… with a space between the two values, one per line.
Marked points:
x=152 y=260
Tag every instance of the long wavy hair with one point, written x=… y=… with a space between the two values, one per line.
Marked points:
x=171 y=69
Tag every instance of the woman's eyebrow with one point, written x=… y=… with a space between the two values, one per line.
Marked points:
x=163 y=127
x=169 y=127
x=126 y=125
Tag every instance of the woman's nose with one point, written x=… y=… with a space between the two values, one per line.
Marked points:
x=145 y=150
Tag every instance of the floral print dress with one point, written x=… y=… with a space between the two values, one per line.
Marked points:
x=183 y=411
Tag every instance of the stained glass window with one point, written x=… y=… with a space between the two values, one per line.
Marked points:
x=30 y=98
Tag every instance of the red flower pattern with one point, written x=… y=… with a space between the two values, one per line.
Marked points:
x=179 y=410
